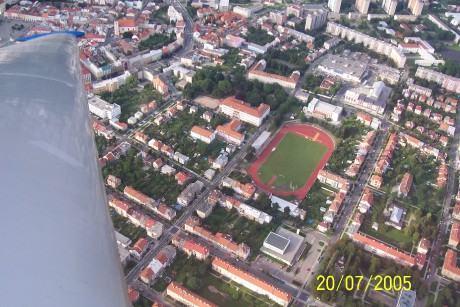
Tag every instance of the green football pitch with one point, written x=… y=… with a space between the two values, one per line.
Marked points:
x=291 y=163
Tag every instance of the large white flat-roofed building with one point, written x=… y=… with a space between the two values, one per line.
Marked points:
x=344 y=68
x=103 y=109
x=243 y=111
x=284 y=246
x=372 y=99
x=323 y=109
x=276 y=243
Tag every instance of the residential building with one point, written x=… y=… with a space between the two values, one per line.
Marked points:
x=257 y=73
x=379 y=46
x=165 y=212
x=331 y=179
x=133 y=294
x=160 y=84
x=220 y=162
x=138 y=197
x=229 y=132
x=415 y=7
x=190 y=246
x=423 y=246
x=323 y=109
x=243 y=111
x=140 y=248
x=334 y=5
x=246 y=190
x=187 y=297
x=113 y=181
x=456 y=210
x=202 y=134
x=189 y=193
x=450 y=268
x=405 y=185
x=204 y=210
x=141 y=137
x=362 y=6
x=383 y=250
x=250 y=281
x=316 y=19
x=278 y=17
x=220 y=240
x=295 y=9
x=120 y=207
x=182 y=159
x=103 y=109
x=454 y=238
x=376 y=181
x=158 y=264
x=366 y=201
x=102 y=130
x=389 y=6
x=445 y=81
x=154 y=228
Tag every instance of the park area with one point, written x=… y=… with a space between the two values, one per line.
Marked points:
x=291 y=162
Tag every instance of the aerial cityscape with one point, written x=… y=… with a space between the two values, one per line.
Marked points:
x=272 y=153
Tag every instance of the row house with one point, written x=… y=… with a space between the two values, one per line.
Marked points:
x=220 y=240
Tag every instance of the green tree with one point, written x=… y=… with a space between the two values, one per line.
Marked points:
x=128 y=34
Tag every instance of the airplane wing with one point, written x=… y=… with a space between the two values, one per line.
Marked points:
x=57 y=241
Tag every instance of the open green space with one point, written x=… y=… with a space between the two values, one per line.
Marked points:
x=292 y=162
x=127 y=229
x=156 y=41
x=198 y=276
x=312 y=203
x=240 y=228
x=230 y=294
x=258 y=36
x=129 y=97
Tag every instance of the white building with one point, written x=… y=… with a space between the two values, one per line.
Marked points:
x=334 y=5
x=202 y=134
x=323 y=109
x=103 y=109
x=370 y=98
x=316 y=19
x=243 y=111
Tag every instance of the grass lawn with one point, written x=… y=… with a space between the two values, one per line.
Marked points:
x=430 y=300
x=433 y=286
x=453 y=47
x=292 y=162
x=391 y=236
x=123 y=226
x=230 y=294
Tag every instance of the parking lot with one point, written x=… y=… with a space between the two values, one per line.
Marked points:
x=6 y=30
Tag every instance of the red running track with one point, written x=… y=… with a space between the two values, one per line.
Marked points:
x=303 y=130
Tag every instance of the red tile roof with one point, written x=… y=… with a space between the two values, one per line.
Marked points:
x=365 y=240
x=196 y=247
x=140 y=197
x=202 y=131
x=450 y=262
x=245 y=107
x=141 y=245
x=227 y=266
x=192 y=298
